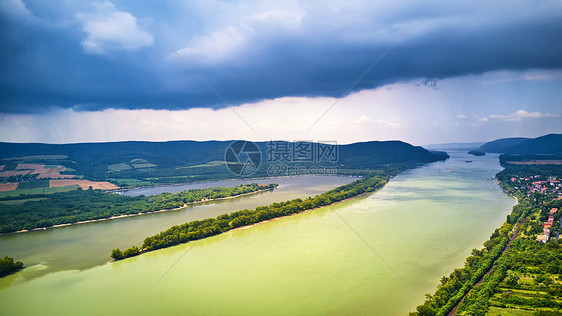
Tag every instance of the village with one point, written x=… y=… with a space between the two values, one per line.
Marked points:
x=547 y=226
x=547 y=186
x=534 y=184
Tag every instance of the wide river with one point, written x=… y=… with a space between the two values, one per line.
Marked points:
x=373 y=255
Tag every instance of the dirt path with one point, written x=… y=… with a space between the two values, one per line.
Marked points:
x=515 y=234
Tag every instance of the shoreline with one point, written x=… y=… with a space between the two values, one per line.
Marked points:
x=131 y=215
x=231 y=179
x=504 y=190
x=312 y=209
x=143 y=251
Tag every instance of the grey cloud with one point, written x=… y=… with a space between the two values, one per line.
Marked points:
x=319 y=55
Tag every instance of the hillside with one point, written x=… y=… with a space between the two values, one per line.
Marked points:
x=186 y=161
x=500 y=145
x=541 y=150
x=368 y=154
x=545 y=145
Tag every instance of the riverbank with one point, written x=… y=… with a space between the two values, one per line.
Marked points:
x=454 y=291
x=171 y=185
x=274 y=219
x=136 y=214
x=214 y=226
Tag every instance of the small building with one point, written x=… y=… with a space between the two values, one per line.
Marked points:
x=542 y=238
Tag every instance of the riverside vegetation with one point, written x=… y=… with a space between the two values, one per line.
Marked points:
x=526 y=277
x=83 y=205
x=213 y=226
x=7 y=266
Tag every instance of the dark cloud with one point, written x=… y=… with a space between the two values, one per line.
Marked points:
x=47 y=66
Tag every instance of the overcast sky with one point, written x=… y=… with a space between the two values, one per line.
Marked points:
x=74 y=71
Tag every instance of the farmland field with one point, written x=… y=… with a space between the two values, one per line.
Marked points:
x=20 y=201
x=33 y=184
x=497 y=311
x=42 y=171
x=13 y=173
x=143 y=165
x=8 y=186
x=29 y=166
x=84 y=184
x=118 y=167
x=38 y=191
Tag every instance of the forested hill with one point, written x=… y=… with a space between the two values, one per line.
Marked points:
x=138 y=160
x=174 y=153
x=500 y=145
x=543 y=145
x=544 y=149
x=371 y=153
x=546 y=145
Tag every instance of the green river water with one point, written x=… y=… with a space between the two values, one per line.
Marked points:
x=373 y=255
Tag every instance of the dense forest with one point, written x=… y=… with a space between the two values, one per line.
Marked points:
x=81 y=205
x=7 y=266
x=213 y=226
x=529 y=170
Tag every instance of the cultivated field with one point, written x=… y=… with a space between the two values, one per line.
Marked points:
x=42 y=171
x=8 y=186
x=13 y=173
x=84 y=184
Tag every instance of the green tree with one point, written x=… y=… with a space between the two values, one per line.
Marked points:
x=7 y=266
x=117 y=254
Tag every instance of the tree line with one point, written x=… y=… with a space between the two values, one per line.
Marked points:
x=453 y=288
x=213 y=226
x=81 y=205
x=7 y=266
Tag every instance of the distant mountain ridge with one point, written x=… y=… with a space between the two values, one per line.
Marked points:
x=543 y=148
x=376 y=152
x=455 y=146
x=502 y=144
x=546 y=145
x=93 y=159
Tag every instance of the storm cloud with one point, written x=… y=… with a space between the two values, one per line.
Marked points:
x=96 y=55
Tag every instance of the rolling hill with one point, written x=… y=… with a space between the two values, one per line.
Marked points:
x=500 y=145
x=188 y=160
x=546 y=149
x=544 y=145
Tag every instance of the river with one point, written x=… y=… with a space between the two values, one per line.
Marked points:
x=46 y=251
x=376 y=254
